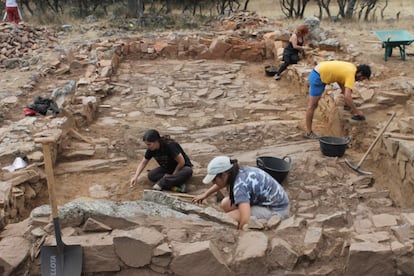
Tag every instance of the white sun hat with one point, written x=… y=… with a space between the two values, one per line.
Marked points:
x=218 y=165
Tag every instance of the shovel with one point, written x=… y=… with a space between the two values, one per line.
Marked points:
x=62 y=259
x=357 y=168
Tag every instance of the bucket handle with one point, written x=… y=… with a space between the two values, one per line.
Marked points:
x=348 y=140
x=260 y=162
x=287 y=157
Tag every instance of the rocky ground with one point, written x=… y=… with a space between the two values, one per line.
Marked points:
x=231 y=107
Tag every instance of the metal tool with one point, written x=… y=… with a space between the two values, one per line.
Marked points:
x=62 y=259
x=357 y=168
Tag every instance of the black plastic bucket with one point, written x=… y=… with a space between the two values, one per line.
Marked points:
x=276 y=167
x=333 y=146
x=271 y=70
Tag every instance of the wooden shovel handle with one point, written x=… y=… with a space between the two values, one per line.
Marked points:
x=45 y=140
x=47 y=157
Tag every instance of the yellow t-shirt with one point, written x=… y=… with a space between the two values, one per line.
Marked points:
x=338 y=71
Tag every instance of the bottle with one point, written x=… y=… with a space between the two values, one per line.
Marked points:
x=179 y=189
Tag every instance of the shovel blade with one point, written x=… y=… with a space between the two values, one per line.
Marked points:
x=363 y=172
x=357 y=168
x=66 y=262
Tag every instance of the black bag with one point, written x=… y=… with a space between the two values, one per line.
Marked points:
x=42 y=105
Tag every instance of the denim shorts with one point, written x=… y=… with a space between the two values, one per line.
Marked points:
x=263 y=212
x=316 y=86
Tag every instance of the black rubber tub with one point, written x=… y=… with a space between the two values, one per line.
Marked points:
x=278 y=168
x=333 y=146
x=271 y=70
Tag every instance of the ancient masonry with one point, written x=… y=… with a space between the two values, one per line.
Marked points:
x=113 y=241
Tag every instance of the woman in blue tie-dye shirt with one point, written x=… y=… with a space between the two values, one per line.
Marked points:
x=252 y=191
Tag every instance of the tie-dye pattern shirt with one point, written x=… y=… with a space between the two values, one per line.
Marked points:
x=257 y=187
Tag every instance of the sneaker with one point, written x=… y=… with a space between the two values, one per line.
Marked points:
x=277 y=77
x=180 y=189
x=348 y=108
x=311 y=135
x=358 y=118
x=156 y=187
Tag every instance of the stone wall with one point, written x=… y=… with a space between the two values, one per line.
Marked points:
x=401 y=152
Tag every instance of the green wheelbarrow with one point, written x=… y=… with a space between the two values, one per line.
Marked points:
x=393 y=39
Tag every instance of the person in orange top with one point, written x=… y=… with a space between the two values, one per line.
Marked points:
x=344 y=74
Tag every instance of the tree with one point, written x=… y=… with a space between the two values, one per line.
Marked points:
x=324 y=5
x=383 y=9
x=368 y=6
x=293 y=8
x=226 y=6
x=136 y=8
x=246 y=4
x=350 y=9
x=346 y=8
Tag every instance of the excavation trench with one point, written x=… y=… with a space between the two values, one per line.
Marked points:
x=222 y=107
x=211 y=107
x=230 y=107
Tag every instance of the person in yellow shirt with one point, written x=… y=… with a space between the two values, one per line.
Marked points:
x=345 y=74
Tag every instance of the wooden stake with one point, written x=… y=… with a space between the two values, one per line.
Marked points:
x=182 y=195
x=81 y=137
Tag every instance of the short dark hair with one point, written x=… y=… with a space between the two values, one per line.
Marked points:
x=365 y=70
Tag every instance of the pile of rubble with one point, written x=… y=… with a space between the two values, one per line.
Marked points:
x=244 y=20
x=18 y=43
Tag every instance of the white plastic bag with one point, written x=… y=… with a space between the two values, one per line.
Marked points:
x=18 y=163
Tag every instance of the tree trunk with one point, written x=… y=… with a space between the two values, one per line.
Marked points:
x=325 y=5
x=245 y=5
x=136 y=8
x=320 y=9
x=383 y=9
x=350 y=9
x=132 y=8
x=301 y=9
x=168 y=7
